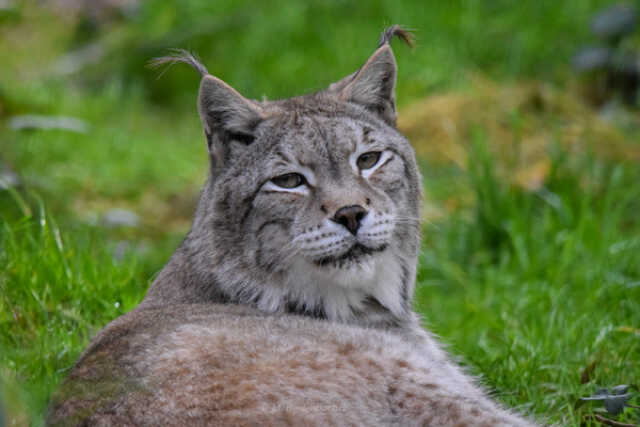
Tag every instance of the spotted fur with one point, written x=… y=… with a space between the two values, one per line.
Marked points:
x=289 y=301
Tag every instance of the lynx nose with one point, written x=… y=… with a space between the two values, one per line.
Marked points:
x=350 y=217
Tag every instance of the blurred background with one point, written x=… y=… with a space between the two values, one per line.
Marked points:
x=524 y=116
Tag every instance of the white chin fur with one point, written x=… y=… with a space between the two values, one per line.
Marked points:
x=340 y=291
x=356 y=275
x=341 y=288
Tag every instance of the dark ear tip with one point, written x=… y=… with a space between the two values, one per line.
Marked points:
x=179 y=55
x=396 y=30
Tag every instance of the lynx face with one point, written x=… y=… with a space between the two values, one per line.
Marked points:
x=312 y=205
x=329 y=198
x=341 y=192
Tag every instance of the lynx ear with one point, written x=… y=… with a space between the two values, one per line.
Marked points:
x=226 y=116
x=373 y=85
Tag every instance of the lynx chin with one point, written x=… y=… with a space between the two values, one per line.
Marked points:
x=289 y=301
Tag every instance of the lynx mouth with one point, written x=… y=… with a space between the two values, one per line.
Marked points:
x=353 y=255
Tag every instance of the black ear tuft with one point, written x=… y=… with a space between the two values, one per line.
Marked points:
x=396 y=30
x=373 y=85
x=179 y=55
x=225 y=114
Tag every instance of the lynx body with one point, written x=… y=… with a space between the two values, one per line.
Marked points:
x=289 y=302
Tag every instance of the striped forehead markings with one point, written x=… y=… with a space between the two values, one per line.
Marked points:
x=324 y=136
x=366 y=135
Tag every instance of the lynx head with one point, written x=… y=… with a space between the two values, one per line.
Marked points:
x=312 y=204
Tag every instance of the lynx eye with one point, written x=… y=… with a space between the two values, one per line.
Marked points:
x=368 y=160
x=289 y=180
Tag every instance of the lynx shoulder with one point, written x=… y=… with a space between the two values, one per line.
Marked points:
x=289 y=301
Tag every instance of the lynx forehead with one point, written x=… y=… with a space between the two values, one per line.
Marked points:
x=312 y=204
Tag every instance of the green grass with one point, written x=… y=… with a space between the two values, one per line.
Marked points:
x=144 y=130
x=57 y=289
x=531 y=289
x=536 y=288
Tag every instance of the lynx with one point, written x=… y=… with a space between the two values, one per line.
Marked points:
x=289 y=301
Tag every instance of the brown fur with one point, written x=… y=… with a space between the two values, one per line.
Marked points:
x=206 y=364
x=275 y=310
